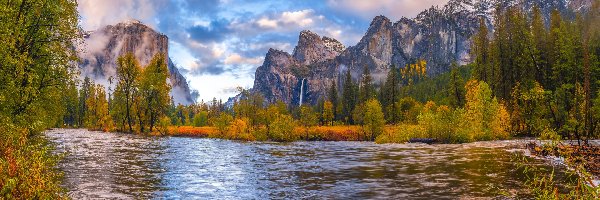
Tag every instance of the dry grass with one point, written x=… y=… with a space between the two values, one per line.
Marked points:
x=313 y=133
x=190 y=131
x=331 y=133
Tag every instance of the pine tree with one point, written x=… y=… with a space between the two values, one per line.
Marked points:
x=70 y=102
x=540 y=48
x=367 y=90
x=83 y=95
x=333 y=98
x=457 y=87
x=500 y=57
x=480 y=51
x=348 y=98
x=390 y=93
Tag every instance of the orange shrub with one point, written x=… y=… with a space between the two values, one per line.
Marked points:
x=334 y=133
x=191 y=131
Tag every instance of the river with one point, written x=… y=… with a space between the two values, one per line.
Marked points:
x=125 y=166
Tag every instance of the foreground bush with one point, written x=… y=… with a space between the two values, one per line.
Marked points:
x=483 y=118
x=400 y=134
x=373 y=119
x=282 y=129
x=27 y=166
x=240 y=129
x=331 y=133
x=191 y=131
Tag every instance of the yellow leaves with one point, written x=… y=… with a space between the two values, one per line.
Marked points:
x=373 y=118
x=328 y=111
x=486 y=118
x=240 y=129
x=282 y=129
x=501 y=123
x=443 y=109
x=429 y=106
x=414 y=71
x=422 y=67
x=97 y=117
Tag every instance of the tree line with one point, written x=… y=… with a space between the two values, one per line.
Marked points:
x=546 y=72
x=139 y=101
x=537 y=77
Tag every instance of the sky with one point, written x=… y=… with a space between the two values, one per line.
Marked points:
x=218 y=44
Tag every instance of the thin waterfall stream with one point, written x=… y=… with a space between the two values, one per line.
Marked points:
x=301 y=90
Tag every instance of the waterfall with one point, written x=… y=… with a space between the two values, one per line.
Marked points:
x=301 y=90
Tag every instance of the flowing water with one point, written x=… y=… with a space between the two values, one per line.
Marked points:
x=124 y=166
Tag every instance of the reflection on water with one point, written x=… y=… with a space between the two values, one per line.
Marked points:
x=109 y=165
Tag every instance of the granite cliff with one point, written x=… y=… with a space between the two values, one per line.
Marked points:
x=101 y=48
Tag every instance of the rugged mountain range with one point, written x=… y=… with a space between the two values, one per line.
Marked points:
x=101 y=48
x=439 y=35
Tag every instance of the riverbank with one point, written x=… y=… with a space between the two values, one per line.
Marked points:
x=572 y=153
x=313 y=133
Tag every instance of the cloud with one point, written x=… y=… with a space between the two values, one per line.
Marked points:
x=236 y=59
x=216 y=31
x=208 y=88
x=287 y=19
x=100 y=13
x=395 y=9
x=267 y=23
x=210 y=69
x=301 y=18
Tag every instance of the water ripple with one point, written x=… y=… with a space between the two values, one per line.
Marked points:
x=125 y=166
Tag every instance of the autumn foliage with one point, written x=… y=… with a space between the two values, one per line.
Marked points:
x=191 y=131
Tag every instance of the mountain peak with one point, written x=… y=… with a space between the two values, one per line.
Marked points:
x=273 y=51
x=313 y=48
x=131 y=22
x=379 y=21
x=307 y=33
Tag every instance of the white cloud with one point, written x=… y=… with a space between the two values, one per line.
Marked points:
x=218 y=86
x=285 y=20
x=96 y=14
x=301 y=18
x=236 y=59
x=395 y=9
x=267 y=23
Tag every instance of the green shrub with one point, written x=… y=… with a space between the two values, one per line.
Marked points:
x=222 y=122
x=261 y=133
x=400 y=134
x=373 y=120
x=282 y=128
x=201 y=119
x=27 y=166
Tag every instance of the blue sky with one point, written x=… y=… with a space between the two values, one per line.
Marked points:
x=218 y=44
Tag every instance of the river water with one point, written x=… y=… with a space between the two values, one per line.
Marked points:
x=124 y=166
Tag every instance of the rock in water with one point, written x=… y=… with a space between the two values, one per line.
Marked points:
x=423 y=140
